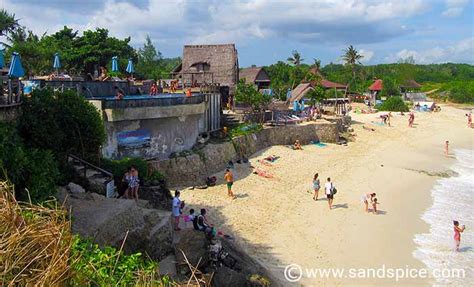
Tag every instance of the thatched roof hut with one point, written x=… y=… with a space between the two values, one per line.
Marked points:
x=216 y=64
x=255 y=75
x=410 y=85
x=300 y=91
x=376 y=86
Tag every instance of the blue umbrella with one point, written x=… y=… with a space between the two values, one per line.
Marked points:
x=56 y=62
x=115 y=64
x=16 y=70
x=2 y=60
x=130 y=68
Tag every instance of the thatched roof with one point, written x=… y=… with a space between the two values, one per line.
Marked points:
x=220 y=61
x=278 y=106
x=300 y=91
x=410 y=84
x=326 y=84
x=254 y=75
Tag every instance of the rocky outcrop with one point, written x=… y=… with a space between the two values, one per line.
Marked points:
x=158 y=196
x=107 y=222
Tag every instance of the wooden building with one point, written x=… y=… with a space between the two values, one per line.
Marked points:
x=255 y=75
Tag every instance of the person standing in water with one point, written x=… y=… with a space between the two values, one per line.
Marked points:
x=457 y=233
x=316 y=186
x=229 y=178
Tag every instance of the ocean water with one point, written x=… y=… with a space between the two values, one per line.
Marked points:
x=453 y=199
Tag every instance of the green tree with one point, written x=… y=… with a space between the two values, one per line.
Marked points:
x=352 y=58
x=8 y=22
x=316 y=95
x=390 y=88
x=63 y=123
x=248 y=94
x=295 y=58
x=149 y=60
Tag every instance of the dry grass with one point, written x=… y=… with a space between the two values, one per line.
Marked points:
x=35 y=242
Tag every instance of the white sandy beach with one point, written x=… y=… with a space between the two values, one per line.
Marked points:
x=277 y=222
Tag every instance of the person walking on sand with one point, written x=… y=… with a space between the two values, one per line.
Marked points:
x=374 y=205
x=365 y=198
x=457 y=233
x=389 y=116
x=229 y=178
x=469 y=120
x=316 y=186
x=446 y=148
x=176 y=209
x=329 y=189
x=411 y=120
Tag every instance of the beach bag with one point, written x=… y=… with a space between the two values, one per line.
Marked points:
x=333 y=190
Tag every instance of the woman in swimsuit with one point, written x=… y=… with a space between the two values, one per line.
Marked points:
x=316 y=186
x=365 y=198
x=457 y=233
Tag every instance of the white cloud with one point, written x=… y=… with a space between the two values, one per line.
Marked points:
x=454 y=8
x=368 y=54
x=462 y=51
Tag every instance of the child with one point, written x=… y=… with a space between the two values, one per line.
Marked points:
x=457 y=233
x=374 y=205
x=190 y=216
x=133 y=183
x=446 y=148
x=297 y=145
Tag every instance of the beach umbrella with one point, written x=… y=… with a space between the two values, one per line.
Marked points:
x=56 y=62
x=115 y=64
x=130 y=68
x=2 y=60
x=16 y=70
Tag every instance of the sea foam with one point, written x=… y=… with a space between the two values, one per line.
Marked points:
x=453 y=199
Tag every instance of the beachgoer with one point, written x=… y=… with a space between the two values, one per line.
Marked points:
x=188 y=92
x=119 y=94
x=469 y=120
x=201 y=223
x=316 y=186
x=329 y=188
x=297 y=145
x=446 y=148
x=374 y=205
x=103 y=74
x=153 y=89
x=133 y=183
x=123 y=189
x=229 y=178
x=411 y=120
x=189 y=217
x=388 y=119
x=176 y=209
x=457 y=233
x=365 y=198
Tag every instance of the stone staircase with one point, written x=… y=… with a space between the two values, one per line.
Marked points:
x=94 y=178
x=231 y=120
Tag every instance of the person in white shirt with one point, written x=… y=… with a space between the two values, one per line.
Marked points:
x=176 y=210
x=328 y=187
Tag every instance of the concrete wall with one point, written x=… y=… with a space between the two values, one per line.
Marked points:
x=193 y=169
x=168 y=135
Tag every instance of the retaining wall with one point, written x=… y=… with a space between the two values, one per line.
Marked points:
x=193 y=169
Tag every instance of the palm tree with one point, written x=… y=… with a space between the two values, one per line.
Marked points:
x=8 y=23
x=352 y=58
x=295 y=58
x=317 y=64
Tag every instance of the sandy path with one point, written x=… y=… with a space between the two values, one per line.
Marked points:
x=277 y=221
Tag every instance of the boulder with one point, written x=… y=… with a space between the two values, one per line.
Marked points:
x=75 y=188
x=108 y=221
x=194 y=245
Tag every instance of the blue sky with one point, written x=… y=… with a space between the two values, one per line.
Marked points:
x=266 y=31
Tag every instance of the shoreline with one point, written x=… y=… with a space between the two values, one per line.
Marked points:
x=277 y=221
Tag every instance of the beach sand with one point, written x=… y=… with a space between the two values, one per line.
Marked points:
x=277 y=222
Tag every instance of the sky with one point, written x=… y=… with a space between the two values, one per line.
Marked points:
x=266 y=31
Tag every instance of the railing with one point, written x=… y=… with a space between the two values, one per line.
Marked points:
x=10 y=92
x=151 y=102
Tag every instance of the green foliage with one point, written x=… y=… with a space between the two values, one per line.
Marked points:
x=393 y=104
x=93 y=266
x=8 y=22
x=295 y=58
x=151 y=64
x=248 y=94
x=390 y=88
x=62 y=122
x=316 y=95
x=245 y=129
x=458 y=91
x=120 y=167
x=27 y=168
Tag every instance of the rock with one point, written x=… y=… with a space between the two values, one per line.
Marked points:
x=75 y=188
x=158 y=196
x=167 y=266
x=227 y=277
x=107 y=221
x=194 y=245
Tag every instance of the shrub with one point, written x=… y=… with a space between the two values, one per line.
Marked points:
x=248 y=94
x=28 y=168
x=63 y=123
x=245 y=129
x=393 y=104
x=94 y=266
